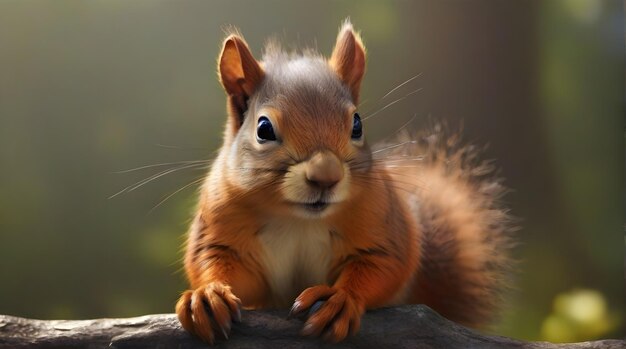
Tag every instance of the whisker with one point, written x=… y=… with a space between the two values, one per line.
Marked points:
x=154 y=177
x=261 y=169
x=402 y=84
x=178 y=147
x=196 y=181
x=381 y=160
x=159 y=175
x=405 y=158
x=367 y=183
x=361 y=104
x=163 y=164
x=378 y=164
x=406 y=123
x=414 y=92
x=405 y=187
x=390 y=104
x=383 y=108
x=386 y=171
x=394 y=146
x=400 y=166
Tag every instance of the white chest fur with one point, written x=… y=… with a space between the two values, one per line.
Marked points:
x=297 y=255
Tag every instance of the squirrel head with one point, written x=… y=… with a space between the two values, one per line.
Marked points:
x=293 y=133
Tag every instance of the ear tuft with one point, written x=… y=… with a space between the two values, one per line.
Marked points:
x=348 y=58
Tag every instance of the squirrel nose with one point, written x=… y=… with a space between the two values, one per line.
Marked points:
x=324 y=170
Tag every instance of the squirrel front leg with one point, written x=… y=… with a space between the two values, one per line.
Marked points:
x=209 y=310
x=220 y=283
x=371 y=280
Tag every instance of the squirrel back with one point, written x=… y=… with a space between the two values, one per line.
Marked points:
x=299 y=209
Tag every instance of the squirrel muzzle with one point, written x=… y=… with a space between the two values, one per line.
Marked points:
x=324 y=170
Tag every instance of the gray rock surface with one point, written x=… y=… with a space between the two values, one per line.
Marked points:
x=400 y=327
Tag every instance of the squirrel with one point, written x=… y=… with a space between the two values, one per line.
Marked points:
x=299 y=211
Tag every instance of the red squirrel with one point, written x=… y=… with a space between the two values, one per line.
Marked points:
x=297 y=208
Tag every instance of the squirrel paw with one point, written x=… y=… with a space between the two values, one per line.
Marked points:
x=209 y=310
x=338 y=316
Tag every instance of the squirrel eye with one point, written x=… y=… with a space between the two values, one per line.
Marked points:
x=265 y=130
x=357 y=127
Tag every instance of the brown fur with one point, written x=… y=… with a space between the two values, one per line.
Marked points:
x=466 y=231
x=395 y=228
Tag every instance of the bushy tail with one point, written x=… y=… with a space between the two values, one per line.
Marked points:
x=466 y=240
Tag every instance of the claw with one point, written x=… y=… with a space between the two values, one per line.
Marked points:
x=238 y=313
x=307 y=330
x=184 y=312
x=295 y=311
x=308 y=298
x=330 y=313
x=209 y=311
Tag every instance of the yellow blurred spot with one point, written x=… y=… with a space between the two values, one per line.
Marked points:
x=578 y=315
x=583 y=306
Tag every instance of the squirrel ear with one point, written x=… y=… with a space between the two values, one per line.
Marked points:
x=239 y=73
x=348 y=58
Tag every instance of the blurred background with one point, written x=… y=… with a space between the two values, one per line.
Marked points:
x=91 y=88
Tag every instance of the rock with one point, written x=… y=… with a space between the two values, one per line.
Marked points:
x=413 y=326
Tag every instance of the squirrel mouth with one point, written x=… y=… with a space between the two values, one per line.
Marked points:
x=317 y=206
